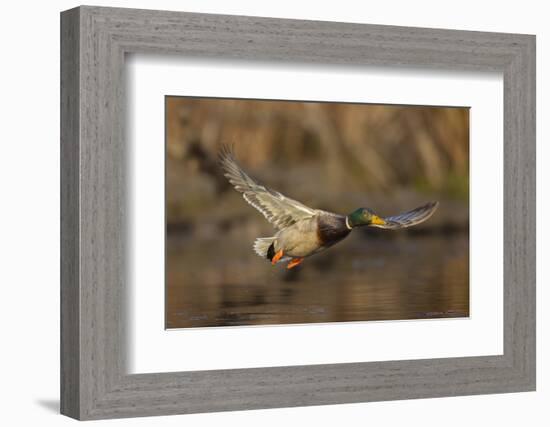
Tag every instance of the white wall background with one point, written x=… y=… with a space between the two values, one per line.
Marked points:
x=29 y=213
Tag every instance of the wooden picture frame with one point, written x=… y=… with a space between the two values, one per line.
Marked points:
x=94 y=382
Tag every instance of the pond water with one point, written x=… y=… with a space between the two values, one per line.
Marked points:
x=217 y=282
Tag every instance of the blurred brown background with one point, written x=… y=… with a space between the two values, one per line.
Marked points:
x=333 y=156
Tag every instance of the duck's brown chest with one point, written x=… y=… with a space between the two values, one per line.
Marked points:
x=331 y=229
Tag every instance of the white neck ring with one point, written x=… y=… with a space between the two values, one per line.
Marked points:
x=349 y=227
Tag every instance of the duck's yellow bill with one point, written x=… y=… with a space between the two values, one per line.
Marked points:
x=376 y=220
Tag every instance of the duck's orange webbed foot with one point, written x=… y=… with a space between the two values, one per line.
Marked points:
x=294 y=263
x=277 y=257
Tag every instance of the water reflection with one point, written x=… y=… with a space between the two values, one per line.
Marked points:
x=218 y=282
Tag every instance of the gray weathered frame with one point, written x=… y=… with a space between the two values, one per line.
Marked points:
x=94 y=41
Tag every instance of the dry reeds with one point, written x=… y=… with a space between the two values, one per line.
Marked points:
x=359 y=147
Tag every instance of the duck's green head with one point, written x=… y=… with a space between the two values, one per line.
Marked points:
x=363 y=216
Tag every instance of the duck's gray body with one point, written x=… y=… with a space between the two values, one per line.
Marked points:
x=302 y=231
x=307 y=237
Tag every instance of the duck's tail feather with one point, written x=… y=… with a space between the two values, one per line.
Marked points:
x=264 y=247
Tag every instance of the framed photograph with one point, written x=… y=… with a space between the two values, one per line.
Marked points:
x=262 y=213
x=328 y=149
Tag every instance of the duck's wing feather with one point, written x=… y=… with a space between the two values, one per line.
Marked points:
x=279 y=210
x=410 y=218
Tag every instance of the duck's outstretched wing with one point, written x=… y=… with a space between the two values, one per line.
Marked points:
x=410 y=218
x=279 y=210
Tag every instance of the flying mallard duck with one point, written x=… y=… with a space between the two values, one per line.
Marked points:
x=303 y=231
